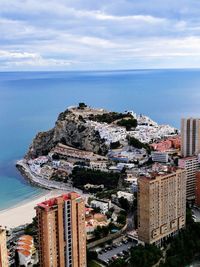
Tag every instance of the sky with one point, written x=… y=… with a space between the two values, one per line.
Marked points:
x=99 y=34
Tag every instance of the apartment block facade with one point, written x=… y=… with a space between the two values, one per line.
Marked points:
x=62 y=234
x=190 y=137
x=197 y=189
x=191 y=165
x=3 y=249
x=161 y=205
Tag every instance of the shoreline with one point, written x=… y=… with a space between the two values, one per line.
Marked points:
x=28 y=199
x=23 y=213
x=25 y=171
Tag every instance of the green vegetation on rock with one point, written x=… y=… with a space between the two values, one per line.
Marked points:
x=128 y=123
x=82 y=105
x=132 y=141
x=109 y=117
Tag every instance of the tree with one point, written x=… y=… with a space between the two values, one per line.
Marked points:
x=82 y=176
x=118 y=263
x=128 y=123
x=109 y=117
x=101 y=232
x=137 y=144
x=96 y=209
x=82 y=105
x=124 y=203
x=97 y=232
x=111 y=226
x=105 y=230
x=91 y=255
x=55 y=157
x=31 y=229
x=121 y=219
x=145 y=256
x=183 y=247
x=115 y=145
x=189 y=219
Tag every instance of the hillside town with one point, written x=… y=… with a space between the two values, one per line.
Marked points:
x=130 y=200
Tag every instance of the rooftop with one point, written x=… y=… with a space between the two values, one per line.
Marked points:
x=189 y=158
x=155 y=174
x=54 y=201
x=24 y=252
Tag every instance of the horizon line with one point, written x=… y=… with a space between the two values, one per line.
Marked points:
x=101 y=70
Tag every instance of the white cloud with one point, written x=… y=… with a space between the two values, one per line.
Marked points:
x=17 y=55
x=108 y=17
x=98 y=34
x=41 y=62
x=10 y=59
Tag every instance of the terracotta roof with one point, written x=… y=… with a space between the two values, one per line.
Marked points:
x=24 y=252
x=26 y=237
x=24 y=246
x=27 y=242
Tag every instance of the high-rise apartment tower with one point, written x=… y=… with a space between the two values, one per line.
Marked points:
x=3 y=249
x=191 y=165
x=62 y=234
x=161 y=205
x=190 y=137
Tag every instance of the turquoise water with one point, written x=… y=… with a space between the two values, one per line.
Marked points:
x=30 y=102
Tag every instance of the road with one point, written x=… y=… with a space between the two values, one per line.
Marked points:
x=130 y=222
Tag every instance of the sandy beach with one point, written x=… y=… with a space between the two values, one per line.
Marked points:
x=24 y=212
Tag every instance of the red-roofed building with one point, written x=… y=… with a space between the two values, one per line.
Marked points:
x=25 y=249
x=165 y=145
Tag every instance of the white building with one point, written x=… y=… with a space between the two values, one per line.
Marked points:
x=160 y=156
x=125 y=165
x=103 y=205
x=126 y=195
x=131 y=177
x=98 y=165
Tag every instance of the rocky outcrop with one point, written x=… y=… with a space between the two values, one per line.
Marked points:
x=70 y=129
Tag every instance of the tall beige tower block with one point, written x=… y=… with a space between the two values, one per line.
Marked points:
x=3 y=249
x=62 y=234
x=161 y=205
x=192 y=166
x=190 y=137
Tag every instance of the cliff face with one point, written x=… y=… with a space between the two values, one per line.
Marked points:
x=70 y=129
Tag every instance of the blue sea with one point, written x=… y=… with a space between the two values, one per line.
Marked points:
x=31 y=101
